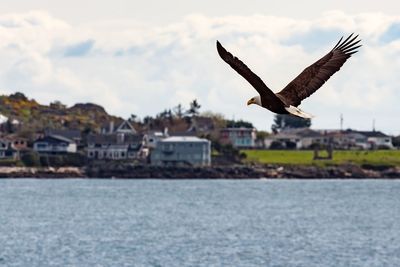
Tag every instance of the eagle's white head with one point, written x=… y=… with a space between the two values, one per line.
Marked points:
x=255 y=100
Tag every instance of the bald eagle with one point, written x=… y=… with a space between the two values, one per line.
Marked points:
x=305 y=84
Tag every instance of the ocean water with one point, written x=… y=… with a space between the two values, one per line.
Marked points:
x=199 y=223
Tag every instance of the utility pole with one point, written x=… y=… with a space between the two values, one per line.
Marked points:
x=341 y=122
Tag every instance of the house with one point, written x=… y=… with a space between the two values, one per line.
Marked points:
x=239 y=137
x=6 y=150
x=153 y=137
x=347 y=139
x=182 y=150
x=54 y=144
x=74 y=135
x=16 y=142
x=124 y=127
x=295 y=138
x=116 y=146
x=377 y=139
x=120 y=143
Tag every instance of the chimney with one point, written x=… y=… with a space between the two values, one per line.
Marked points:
x=111 y=127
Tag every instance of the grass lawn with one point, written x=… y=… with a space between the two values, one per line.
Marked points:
x=305 y=157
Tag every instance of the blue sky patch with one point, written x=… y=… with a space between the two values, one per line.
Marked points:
x=80 y=49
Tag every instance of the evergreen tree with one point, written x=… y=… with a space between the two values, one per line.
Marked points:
x=194 y=108
x=178 y=111
x=282 y=121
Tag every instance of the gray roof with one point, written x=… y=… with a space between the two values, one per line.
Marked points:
x=70 y=134
x=53 y=137
x=238 y=129
x=111 y=139
x=296 y=133
x=184 y=139
x=372 y=133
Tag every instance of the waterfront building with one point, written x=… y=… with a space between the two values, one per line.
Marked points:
x=121 y=143
x=182 y=150
x=54 y=144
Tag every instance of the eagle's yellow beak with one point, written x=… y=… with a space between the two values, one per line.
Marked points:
x=251 y=101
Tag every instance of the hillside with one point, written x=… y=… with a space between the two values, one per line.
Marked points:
x=35 y=117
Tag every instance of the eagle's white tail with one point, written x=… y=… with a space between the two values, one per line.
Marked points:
x=298 y=112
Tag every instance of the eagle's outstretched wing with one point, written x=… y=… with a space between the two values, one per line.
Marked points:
x=314 y=76
x=244 y=71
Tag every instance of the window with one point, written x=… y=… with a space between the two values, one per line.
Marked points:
x=38 y=145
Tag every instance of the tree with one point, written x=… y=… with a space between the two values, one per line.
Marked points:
x=194 y=108
x=133 y=118
x=178 y=111
x=282 y=121
x=239 y=124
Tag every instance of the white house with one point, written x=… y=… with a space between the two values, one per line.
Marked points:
x=54 y=144
x=377 y=139
x=295 y=138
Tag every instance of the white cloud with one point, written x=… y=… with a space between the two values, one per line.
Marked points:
x=129 y=67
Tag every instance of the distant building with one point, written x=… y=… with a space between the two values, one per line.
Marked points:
x=182 y=150
x=7 y=151
x=125 y=127
x=304 y=138
x=121 y=143
x=239 y=137
x=54 y=144
x=16 y=142
x=115 y=146
x=153 y=137
x=346 y=139
x=295 y=138
x=74 y=135
x=377 y=139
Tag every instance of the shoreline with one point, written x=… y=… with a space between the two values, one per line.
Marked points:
x=128 y=171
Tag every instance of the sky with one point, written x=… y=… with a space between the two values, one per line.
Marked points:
x=141 y=57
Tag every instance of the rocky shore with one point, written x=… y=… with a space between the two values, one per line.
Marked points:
x=246 y=172
x=127 y=171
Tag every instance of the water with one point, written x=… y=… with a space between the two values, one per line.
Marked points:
x=199 y=223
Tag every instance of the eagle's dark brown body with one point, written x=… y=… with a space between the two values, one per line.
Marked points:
x=305 y=84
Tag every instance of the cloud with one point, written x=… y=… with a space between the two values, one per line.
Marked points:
x=129 y=67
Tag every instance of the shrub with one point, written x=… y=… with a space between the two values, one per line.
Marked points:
x=31 y=159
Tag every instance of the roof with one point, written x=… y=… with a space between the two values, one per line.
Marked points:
x=126 y=127
x=49 y=138
x=70 y=134
x=184 y=139
x=182 y=134
x=238 y=129
x=372 y=133
x=13 y=137
x=297 y=133
x=109 y=139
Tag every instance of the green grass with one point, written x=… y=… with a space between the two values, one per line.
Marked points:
x=305 y=157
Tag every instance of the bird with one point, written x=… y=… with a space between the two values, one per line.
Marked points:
x=306 y=83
